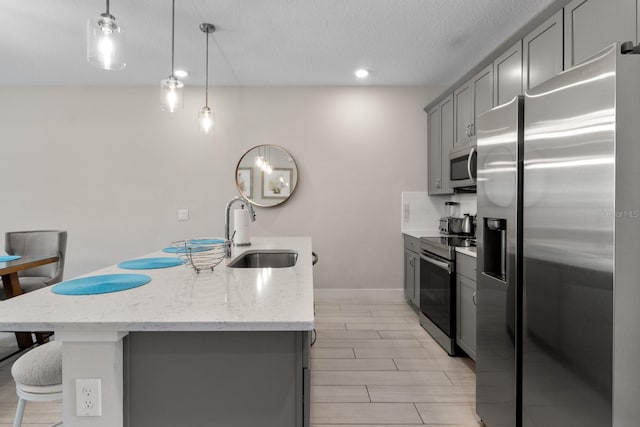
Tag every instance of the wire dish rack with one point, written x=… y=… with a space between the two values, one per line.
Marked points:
x=201 y=254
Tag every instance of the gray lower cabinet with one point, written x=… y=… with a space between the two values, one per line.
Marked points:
x=542 y=52
x=466 y=304
x=225 y=378
x=592 y=25
x=438 y=146
x=412 y=270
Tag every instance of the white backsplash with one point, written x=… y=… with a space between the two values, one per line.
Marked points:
x=468 y=203
x=421 y=212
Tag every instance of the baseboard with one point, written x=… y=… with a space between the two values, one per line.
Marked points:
x=360 y=295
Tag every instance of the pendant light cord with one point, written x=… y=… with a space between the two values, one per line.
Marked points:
x=173 y=28
x=107 y=7
x=206 y=89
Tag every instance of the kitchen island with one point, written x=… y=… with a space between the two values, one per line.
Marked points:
x=228 y=347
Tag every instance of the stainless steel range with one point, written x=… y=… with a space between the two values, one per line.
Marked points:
x=438 y=287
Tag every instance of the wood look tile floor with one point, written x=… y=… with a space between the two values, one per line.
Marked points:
x=372 y=366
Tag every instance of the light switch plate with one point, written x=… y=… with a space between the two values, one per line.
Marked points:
x=183 y=214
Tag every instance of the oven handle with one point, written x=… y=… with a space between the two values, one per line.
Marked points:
x=437 y=263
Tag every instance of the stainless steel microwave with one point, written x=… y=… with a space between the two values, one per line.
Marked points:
x=463 y=168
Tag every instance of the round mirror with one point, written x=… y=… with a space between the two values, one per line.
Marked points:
x=266 y=175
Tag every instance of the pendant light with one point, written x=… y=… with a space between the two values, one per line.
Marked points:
x=105 y=42
x=171 y=89
x=205 y=116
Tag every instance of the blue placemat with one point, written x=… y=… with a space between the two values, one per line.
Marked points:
x=6 y=258
x=182 y=250
x=100 y=284
x=205 y=242
x=150 y=263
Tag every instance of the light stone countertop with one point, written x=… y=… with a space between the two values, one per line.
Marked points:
x=473 y=252
x=179 y=299
x=420 y=232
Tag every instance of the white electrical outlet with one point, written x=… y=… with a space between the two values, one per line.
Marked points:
x=88 y=397
x=406 y=212
x=183 y=214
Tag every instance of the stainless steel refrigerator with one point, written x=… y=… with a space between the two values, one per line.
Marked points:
x=558 y=323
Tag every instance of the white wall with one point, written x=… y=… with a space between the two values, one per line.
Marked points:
x=109 y=167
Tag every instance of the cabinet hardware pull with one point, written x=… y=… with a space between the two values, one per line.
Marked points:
x=474 y=298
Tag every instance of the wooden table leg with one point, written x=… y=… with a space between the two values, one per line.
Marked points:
x=43 y=337
x=12 y=289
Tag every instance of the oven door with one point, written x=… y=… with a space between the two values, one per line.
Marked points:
x=437 y=291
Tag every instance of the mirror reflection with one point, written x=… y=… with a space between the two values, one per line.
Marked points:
x=266 y=175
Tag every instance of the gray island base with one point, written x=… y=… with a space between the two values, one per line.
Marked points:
x=231 y=379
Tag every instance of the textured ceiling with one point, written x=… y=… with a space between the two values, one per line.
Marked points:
x=261 y=42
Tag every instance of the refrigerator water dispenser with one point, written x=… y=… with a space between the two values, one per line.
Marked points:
x=495 y=244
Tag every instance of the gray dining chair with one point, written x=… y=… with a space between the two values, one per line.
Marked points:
x=38 y=243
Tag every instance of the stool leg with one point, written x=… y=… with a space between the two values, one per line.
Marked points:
x=19 y=412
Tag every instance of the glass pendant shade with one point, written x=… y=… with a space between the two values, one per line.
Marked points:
x=171 y=94
x=105 y=43
x=205 y=118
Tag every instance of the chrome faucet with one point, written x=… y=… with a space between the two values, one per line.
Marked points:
x=252 y=217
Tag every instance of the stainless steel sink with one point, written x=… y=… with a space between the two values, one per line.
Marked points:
x=265 y=258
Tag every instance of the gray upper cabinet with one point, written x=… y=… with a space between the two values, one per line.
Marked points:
x=438 y=147
x=592 y=25
x=542 y=52
x=507 y=75
x=434 y=155
x=470 y=100
x=482 y=94
x=463 y=100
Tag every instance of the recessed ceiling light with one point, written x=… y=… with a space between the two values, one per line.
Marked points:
x=361 y=73
x=181 y=74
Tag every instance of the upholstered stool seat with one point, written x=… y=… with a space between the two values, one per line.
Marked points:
x=38 y=376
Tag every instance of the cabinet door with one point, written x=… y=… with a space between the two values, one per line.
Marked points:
x=507 y=75
x=416 y=281
x=463 y=118
x=592 y=25
x=482 y=95
x=409 y=275
x=438 y=147
x=542 y=52
x=434 y=152
x=466 y=315
x=446 y=142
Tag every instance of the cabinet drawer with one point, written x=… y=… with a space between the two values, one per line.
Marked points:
x=466 y=265
x=412 y=243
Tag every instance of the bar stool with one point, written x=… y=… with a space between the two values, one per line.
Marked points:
x=38 y=377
